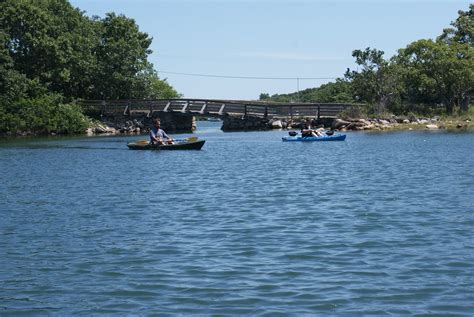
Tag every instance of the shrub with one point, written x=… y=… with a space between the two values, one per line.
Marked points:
x=354 y=112
x=43 y=115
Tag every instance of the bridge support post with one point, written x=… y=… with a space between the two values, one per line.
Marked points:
x=173 y=122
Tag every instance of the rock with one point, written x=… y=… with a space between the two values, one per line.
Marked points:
x=406 y=121
x=338 y=124
x=423 y=121
x=399 y=119
x=276 y=124
x=432 y=126
x=100 y=129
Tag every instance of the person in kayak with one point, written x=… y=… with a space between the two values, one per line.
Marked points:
x=308 y=131
x=158 y=136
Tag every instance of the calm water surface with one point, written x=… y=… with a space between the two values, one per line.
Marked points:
x=381 y=224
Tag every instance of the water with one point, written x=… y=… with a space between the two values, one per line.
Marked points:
x=381 y=224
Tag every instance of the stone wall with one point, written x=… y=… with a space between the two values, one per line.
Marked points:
x=234 y=123
x=175 y=122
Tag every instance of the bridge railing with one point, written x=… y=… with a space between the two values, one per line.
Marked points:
x=209 y=107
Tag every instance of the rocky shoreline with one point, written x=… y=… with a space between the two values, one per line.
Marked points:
x=396 y=123
x=128 y=127
x=400 y=124
x=137 y=126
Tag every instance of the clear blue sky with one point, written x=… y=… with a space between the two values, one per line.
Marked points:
x=272 y=38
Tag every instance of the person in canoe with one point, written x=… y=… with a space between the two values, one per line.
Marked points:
x=158 y=136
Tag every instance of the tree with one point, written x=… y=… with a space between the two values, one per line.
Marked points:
x=437 y=72
x=148 y=85
x=462 y=30
x=122 y=56
x=51 y=53
x=377 y=82
x=337 y=92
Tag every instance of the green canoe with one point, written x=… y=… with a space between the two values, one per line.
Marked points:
x=179 y=145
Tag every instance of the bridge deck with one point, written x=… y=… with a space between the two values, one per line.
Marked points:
x=216 y=108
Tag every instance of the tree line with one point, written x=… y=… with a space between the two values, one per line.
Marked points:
x=423 y=77
x=53 y=54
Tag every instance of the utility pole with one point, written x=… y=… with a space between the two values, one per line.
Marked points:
x=298 y=87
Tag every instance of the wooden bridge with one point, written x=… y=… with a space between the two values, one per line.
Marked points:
x=214 y=108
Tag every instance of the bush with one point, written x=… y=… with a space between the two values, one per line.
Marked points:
x=43 y=115
x=354 y=112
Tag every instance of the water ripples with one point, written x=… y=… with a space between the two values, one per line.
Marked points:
x=378 y=225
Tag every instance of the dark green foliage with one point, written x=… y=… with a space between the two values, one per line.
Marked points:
x=51 y=52
x=337 y=92
x=437 y=73
x=425 y=77
x=462 y=30
x=42 y=115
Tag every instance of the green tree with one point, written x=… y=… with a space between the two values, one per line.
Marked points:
x=377 y=82
x=52 y=42
x=148 y=85
x=51 y=53
x=122 y=55
x=462 y=30
x=437 y=72
x=337 y=92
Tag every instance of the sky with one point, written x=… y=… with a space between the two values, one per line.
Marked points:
x=288 y=45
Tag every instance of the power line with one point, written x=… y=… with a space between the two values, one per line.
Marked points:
x=244 y=77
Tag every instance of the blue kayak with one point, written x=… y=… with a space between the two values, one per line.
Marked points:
x=298 y=138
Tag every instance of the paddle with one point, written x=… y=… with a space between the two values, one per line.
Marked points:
x=190 y=139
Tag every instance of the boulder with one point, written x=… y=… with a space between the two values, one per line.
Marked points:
x=100 y=129
x=338 y=124
x=276 y=124
x=432 y=126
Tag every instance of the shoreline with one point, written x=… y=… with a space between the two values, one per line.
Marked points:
x=376 y=125
x=402 y=124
